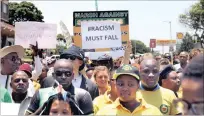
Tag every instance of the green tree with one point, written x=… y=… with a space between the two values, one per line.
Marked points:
x=140 y=47
x=24 y=11
x=194 y=19
x=187 y=43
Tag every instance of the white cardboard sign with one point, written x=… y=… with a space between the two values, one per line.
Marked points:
x=100 y=34
x=29 y=32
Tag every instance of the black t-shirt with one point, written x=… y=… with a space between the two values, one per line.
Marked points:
x=82 y=98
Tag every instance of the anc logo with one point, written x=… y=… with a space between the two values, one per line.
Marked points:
x=127 y=67
x=164 y=108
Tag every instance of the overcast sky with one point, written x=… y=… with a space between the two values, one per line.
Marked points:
x=146 y=18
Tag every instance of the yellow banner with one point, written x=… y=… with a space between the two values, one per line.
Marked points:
x=165 y=42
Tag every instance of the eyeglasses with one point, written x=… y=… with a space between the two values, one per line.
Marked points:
x=66 y=73
x=19 y=79
x=184 y=106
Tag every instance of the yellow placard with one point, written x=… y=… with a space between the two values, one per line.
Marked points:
x=165 y=42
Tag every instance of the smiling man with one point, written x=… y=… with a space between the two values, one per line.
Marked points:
x=150 y=90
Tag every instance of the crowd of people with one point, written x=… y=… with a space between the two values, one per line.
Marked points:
x=76 y=85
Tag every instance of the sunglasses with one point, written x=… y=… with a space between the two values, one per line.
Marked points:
x=72 y=57
x=66 y=73
x=18 y=80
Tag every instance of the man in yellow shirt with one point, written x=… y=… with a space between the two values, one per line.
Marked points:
x=150 y=90
x=127 y=83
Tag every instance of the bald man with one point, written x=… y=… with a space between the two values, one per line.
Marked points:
x=150 y=90
x=63 y=74
x=183 y=58
x=20 y=93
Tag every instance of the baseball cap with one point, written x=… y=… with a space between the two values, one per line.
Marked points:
x=73 y=51
x=127 y=70
x=26 y=68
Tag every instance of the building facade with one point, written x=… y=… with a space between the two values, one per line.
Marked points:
x=7 y=30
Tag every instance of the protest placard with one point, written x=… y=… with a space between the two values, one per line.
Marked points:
x=120 y=16
x=100 y=34
x=29 y=32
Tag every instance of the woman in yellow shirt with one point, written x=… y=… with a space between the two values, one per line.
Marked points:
x=107 y=98
x=127 y=83
x=101 y=75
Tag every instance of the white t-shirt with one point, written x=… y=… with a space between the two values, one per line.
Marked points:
x=76 y=82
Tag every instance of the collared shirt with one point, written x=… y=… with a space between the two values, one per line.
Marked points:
x=141 y=87
x=117 y=109
x=25 y=103
x=178 y=67
x=102 y=101
x=77 y=81
x=161 y=98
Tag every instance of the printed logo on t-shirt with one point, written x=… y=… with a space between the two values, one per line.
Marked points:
x=164 y=109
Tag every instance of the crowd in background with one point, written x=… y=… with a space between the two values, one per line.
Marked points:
x=76 y=85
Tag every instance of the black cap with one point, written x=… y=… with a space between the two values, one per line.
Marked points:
x=74 y=51
x=127 y=70
x=163 y=74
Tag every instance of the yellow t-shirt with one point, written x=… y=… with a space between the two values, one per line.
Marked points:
x=180 y=92
x=117 y=109
x=36 y=85
x=101 y=101
x=161 y=98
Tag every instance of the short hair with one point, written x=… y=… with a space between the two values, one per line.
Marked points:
x=186 y=53
x=64 y=61
x=147 y=56
x=90 y=68
x=195 y=69
x=193 y=52
x=98 y=69
x=164 y=61
x=14 y=74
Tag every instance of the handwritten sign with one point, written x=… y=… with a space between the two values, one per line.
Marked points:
x=100 y=34
x=29 y=32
